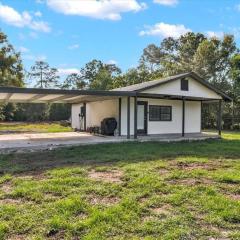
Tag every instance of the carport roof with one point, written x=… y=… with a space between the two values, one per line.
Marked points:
x=36 y=95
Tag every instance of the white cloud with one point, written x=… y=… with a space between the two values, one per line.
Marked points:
x=111 y=61
x=165 y=30
x=67 y=71
x=99 y=9
x=38 y=14
x=166 y=2
x=74 y=46
x=23 y=49
x=12 y=17
x=40 y=26
x=212 y=34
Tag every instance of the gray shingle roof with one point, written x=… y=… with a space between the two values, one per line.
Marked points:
x=140 y=86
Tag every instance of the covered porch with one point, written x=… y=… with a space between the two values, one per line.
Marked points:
x=140 y=97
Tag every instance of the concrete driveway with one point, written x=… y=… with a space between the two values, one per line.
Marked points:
x=29 y=142
x=32 y=141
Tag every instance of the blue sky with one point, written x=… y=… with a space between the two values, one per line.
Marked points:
x=69 y=33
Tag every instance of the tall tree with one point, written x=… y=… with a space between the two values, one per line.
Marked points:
x=192 y=52
x=11 y=73
x=99 y=75
x=235 y=76
x=212 y=60
x=74 y=81
x=44 y=75
x=11 y=68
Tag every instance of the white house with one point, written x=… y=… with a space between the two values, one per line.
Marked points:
x=164 y=106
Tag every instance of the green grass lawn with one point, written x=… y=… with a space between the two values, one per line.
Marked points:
x=188 y=190
x=32 y=127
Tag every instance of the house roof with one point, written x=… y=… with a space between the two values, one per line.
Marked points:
x=151 y=84
x=36 y=95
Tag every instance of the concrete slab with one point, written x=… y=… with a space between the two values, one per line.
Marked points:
x=27 y=142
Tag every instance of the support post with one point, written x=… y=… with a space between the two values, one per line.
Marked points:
x=220 y=117
x=128 y=117
x=85 y=116
x=183 y=117
x=119 y=115
x=135 y=117
x=201 y=114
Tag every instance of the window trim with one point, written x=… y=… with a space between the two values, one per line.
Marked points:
x=182 y=84
x=160 y=120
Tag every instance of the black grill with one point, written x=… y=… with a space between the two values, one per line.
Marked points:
x=108 y=126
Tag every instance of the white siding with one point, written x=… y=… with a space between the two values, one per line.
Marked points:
x=124 y=116
x=75 y=116
x=96 y=112
x=196 y=89
x=192 y=117
x=164 y=127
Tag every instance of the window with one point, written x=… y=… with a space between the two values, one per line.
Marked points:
x=160 y=113
x=184 y=84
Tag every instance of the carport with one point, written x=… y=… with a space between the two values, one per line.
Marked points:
x=34 y=95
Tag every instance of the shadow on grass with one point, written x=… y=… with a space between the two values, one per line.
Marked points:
x=118 y=152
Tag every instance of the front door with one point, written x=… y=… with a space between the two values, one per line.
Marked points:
x=142 y=117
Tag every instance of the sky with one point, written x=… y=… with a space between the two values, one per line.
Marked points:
x=69 y=33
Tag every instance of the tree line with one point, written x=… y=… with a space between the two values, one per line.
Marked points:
x=216 y=60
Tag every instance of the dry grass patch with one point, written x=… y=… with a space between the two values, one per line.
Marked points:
x=234 y=196
x=163 y=210
x=113 y=176
x=11 y=201
x=191 y=181
x=100 y=200
x=197 y=165
x=17 y=237
x=6 y=188
x=143 y=199
x=163 y=171
x=149 y=219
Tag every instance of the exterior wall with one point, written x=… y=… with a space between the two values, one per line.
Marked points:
x=124 y=116
x=95 y=113
x=196 y=89
x=192 y=117
x=75 y=116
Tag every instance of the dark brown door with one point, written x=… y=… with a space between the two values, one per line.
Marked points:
x=142 y=117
